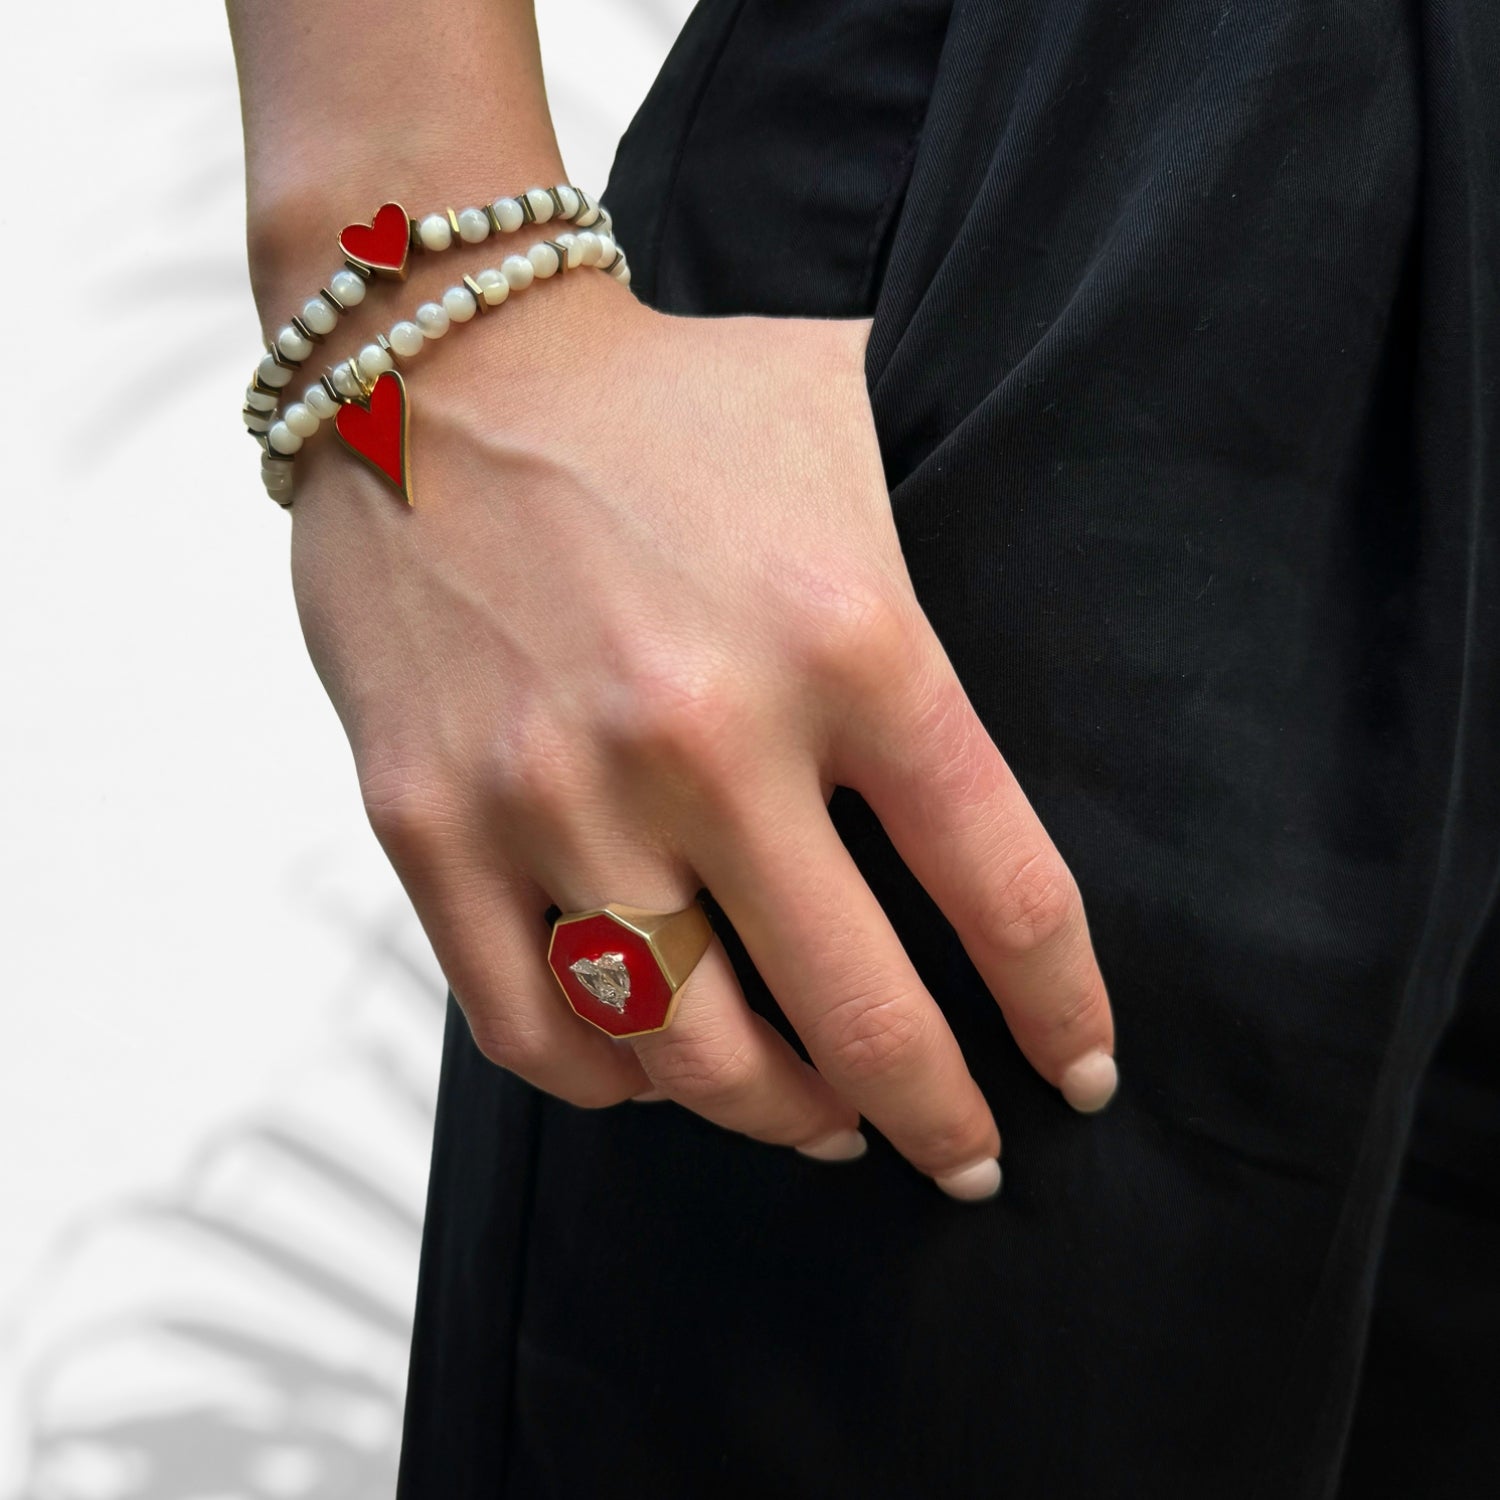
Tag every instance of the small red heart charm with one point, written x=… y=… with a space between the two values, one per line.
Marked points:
x=381 y=245
x=376 y=430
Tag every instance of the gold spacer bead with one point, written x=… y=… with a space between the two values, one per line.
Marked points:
x=306 y=332
x=332 y=301
x=453 y=223
x=557 y=202
x=384 y=343
x=478 y=292
x=527 y=211
x=326 y=381
x=562 y=255
x=284 y=360
x=494 y=218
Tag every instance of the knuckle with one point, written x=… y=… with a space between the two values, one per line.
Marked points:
x=529 y=768
x=507 y=1046
x=524 y=1053
x=705 y=1072
x=950 y=1144
x=676 y=713
x=412 y=807
x=586 y=1090
x=856 y=623
x=1087 y=1013
x=1034 y=903
x=868 y=1039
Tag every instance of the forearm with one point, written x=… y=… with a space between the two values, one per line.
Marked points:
x=348 y=105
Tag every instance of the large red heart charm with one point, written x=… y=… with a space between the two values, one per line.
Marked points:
x=381 y=245
x=376 y=430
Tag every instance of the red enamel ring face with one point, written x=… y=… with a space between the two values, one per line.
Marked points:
x=612 y=973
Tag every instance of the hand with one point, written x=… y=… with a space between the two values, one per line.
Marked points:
x=648 y=610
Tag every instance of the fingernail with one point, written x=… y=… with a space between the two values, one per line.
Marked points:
x=1089 y=1084
x=649 y=1097
x=842 y=1145
x=980 y=1179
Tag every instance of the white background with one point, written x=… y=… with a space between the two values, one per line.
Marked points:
x=218 y=1017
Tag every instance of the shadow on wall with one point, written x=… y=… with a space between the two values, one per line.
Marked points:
x=247 y=1334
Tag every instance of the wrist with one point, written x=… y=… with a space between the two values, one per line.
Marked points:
x=510 y=370
x=487 y=374
x=293 y=224
x=440 y=101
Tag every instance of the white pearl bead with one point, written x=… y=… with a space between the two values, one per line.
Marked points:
x=257 y=421
x=292 y=344
x=317 y=400
x=572 y=249
x=348 y=288
x=276 y=476
x=473 y=225
x=459 y=304
x=518 y=271
x=271 y=373
x=508 y=211
x=259 y=400
x=435 y=232
x=569 y=198
x=541 y=203
x=319 y=316
x=433 y=319
x=343 y=379
x=283 y=439
x=406 y=338
x=624 y=277
x=373 y=360
x=301 y=419
x=494 y=286
x=589 y=215
x=543 y=259
x=588 y=248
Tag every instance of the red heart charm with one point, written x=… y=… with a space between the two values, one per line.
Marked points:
x=383 y=244
x=376 y=430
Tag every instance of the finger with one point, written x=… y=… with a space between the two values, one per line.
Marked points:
x=716 y=1057
x=924 y=761
x=819 y=938
x=488 y=933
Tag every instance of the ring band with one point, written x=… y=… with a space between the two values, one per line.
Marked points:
x=622 y=967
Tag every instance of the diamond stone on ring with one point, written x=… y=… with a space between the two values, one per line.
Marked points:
x=621 y=967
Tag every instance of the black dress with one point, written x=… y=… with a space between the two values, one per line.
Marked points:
x=1186 y=369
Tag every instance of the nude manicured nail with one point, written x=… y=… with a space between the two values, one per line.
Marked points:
x=980 y=1179
x=842 y=1145
x=649 y=1097
x=1090 y=1083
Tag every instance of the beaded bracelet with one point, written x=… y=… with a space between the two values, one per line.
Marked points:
x=365 y=394
x=381 y=248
